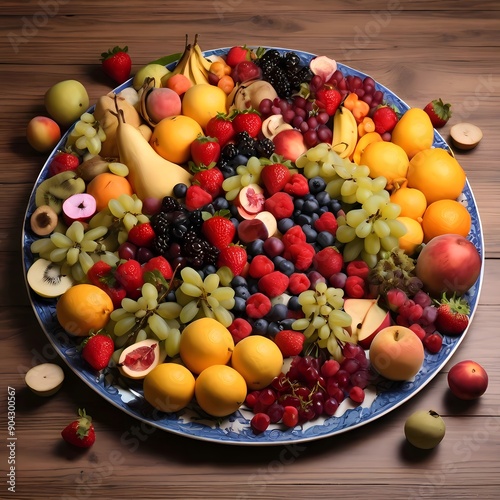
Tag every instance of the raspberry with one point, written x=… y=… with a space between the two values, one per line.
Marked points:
x=260 y=266
x=298 y=283
x=294 y=235
x=326 y=222
x=258 y=305
x=239 y=329
x=357 y=268
x=273 y=284
x=280 y=205
x=328 y=261
x=197 y=197
x=297 y=185
x=160 y=264
x=355 y=287
x=301 y=254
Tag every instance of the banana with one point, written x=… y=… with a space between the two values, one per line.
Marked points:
x=198 y=72
x=192 y=64
x=345 y=132
x=201 y=58
x=180 y=67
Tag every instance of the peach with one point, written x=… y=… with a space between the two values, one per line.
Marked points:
x=43 y=133
x=161 y=103
x=396 y=353
x=289 y=144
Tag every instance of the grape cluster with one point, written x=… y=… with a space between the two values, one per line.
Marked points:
x=86 y=135
x=364 y=88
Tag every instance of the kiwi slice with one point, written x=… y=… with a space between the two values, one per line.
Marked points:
x=45 y=278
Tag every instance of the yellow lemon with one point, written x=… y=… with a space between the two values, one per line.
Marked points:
x=412 y=202
x=258 y=359
x=446 y=217
x=205 y=342
x=413 y=237
x=83 y=308
x=202 y=102
x=220 y=390
x=413 y=132
x=172 y=137
x=169 y=387
x=386 y=159
x=437 y=174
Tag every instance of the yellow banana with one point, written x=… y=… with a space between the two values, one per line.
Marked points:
x=198 y=73
x=183 y=62
x=201 y=58
x=345 y=132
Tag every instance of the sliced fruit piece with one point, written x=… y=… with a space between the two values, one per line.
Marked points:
x=269 y=221
x=465 y=135
x=252 y=229
x=251 y=198
x=137 y=360
x=43 y=220
x=45 y=278
x=45 y=379
x=80 y=207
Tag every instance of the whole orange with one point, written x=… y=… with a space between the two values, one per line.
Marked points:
x=413 y=132
x=202 y=102
x=445 y=217
x=411 y=200
x=106 y=186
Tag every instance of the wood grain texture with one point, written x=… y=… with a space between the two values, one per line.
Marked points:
x=420 y=50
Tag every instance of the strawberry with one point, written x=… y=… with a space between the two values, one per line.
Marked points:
x=328 y=261
x=247 y=121
x=237 y=54
x=160 y=264
x=209 y=179
x=234 y=257
x=80 y=432
x=221 y=127
x=142 y=235
x=290 y=342
x=328 y=99
x=438 y=112
x=219 y=231
x=129 y=275
x=275 y=177
x=197 y=197
x=101 y=274
x=205 y=151
x=452 y=315
x=116 y=63
x=97 y=351
x=385 y=119
x=63 y=162
x=273 y=284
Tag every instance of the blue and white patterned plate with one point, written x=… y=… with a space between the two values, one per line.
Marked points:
x=235 y=429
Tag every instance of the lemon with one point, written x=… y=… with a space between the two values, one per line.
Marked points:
x=205 y=342
x=412 y=202
x=413 y=132
x=413 y=237
x=258 y=359
x=169 y=387
x=220 y=390
x=202 y=102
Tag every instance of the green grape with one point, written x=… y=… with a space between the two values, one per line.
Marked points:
x=169 y=310
x=345 y=234
x=381 y=228
x=372 y=244
x=158 y=326
x=61 y=240
x=172 y=342
x=189 y=311
x=129 y=305
x=356 y=217
x=72 y=256
x=124 y=325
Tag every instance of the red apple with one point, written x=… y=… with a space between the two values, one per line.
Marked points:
x=467 y=380
x=448 y=263
x=289 y=144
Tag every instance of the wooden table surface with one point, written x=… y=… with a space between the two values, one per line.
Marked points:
x=421 y=50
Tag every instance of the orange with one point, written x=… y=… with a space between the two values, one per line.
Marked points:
x=445 y=217
x=220 y=390
x=179 y=83
x=202 y=102
x=83 y=308
x=205 y=342
x=413 y=132
x=385 y=159
x=107 y=186
x=437 y=174
x=169 y=387
x=413 y=237
x=411 y=200
x=366 y=139
x=172 y=137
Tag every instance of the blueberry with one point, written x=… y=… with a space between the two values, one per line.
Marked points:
x=180 y=190
x=227 y=170
x=273 y=328
x=293 y=303
x=310 y=232
x=277 y=313
x=276 y=260
x=335 y=206
x=234 y=210
x=286 y=267
x=239 y=160
x=209 y=207
x=259 y=326
x=253 y=288
x=210 y=269
x=310 y=206
x=238 y=281
x=309 y=196
x=303 y=219
x=239 y=305
x=298 y=203
x=316 y=185
x=325 y=239
x=220 y=203
x=255 y=247
x=242 y=292
x=235 y=222
x=323 y=198
x=284 y=225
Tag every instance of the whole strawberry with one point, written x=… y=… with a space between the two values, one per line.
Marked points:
x=237 y=54
x=205 y=151
x=97 y=351
x=116 y=63
x=328 y=99
x=80 y=432
x=219 y=231
x=209 y=179
x=234 y=257
x=129 y=275
x=438 y=112
x=275 y=177
x=452 y=315
x=101 y=274
x=290 y=342
x=62 y=162
x=247 y=121
x=221 y=127
x=142 y=235
x=385 y=119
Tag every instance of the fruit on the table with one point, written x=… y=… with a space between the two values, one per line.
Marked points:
x=413 y=132
x=66 y=101
x=44 y=379
x=81 y=432
x=258 y=359
x=202 y=102
x=438 y=112
x=424 y=429
x=466 y=135
x=43 y=220
x=220 y=390
x=54 y=190
x=138 y=359
x=79 y=207
x=83 y=308
x=273 y=125
x=368 y=318
x=436 y=173
x=385 y=119
x=411 y=200
x=467 y=380
x=289 y=144
x=169 y=387
x=205 y=342
x=448 y=264
x=159 y=103
x=452 y=315
x=396 y=353
x=93 y=166
x=153 y=71
x=97 y=350
x=46 y=279
x=86 y=135
x=43 y=133
x=116 y=63
x=345 y=132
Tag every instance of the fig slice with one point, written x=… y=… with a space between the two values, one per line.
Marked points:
x=137 y=360
x=44 y=220
x=44 y=379
x=465 y=135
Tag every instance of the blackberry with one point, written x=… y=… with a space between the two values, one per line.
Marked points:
x=272 y=56
x=160 y=223
x=195 y=219
x=277 y=78
x=245 y=144
x=210 y=253
x=291 y=62
x=189 y=237
x=169 y=204
x=305 y=74
x=265 y=147
x=229 y=151
x=161 y=244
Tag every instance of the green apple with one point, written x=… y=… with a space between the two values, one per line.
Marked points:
x=66 y=101
x=156 y=71
x=425 y=429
